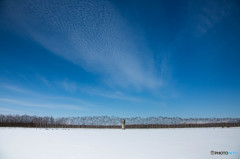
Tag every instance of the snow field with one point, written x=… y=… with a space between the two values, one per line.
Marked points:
x=181 y=143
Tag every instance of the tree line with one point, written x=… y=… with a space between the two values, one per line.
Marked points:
x=113 y=122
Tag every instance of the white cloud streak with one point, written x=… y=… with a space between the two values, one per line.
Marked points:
x=209 y=14
x=72 y=88
x=69 y=86
x=12 y=111
x=112 y=95
x=91 y=34
x=41 y=105
x=49 y=99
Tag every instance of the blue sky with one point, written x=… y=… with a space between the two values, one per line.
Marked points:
x=121 y=58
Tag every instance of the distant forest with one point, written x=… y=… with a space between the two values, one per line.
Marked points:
x=113 y=122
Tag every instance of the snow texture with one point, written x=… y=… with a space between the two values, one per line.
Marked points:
x=185 y=143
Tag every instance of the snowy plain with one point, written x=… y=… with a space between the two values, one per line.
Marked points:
x=180 y=143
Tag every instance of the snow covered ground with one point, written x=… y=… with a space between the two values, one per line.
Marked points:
x=188 y=143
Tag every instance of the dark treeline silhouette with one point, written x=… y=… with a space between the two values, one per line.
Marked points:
x=114 y=122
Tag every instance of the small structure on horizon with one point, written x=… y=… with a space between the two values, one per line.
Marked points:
x=123 y=123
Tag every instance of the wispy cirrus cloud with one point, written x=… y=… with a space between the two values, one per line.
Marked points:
x=17 y=102
x=71 y=87
x=45 y=81
x=68 y=86
x=13 y=88
x=206 y=14
x=110 y=94
x=13 y=111
x=91 y=34
x=34 y=99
